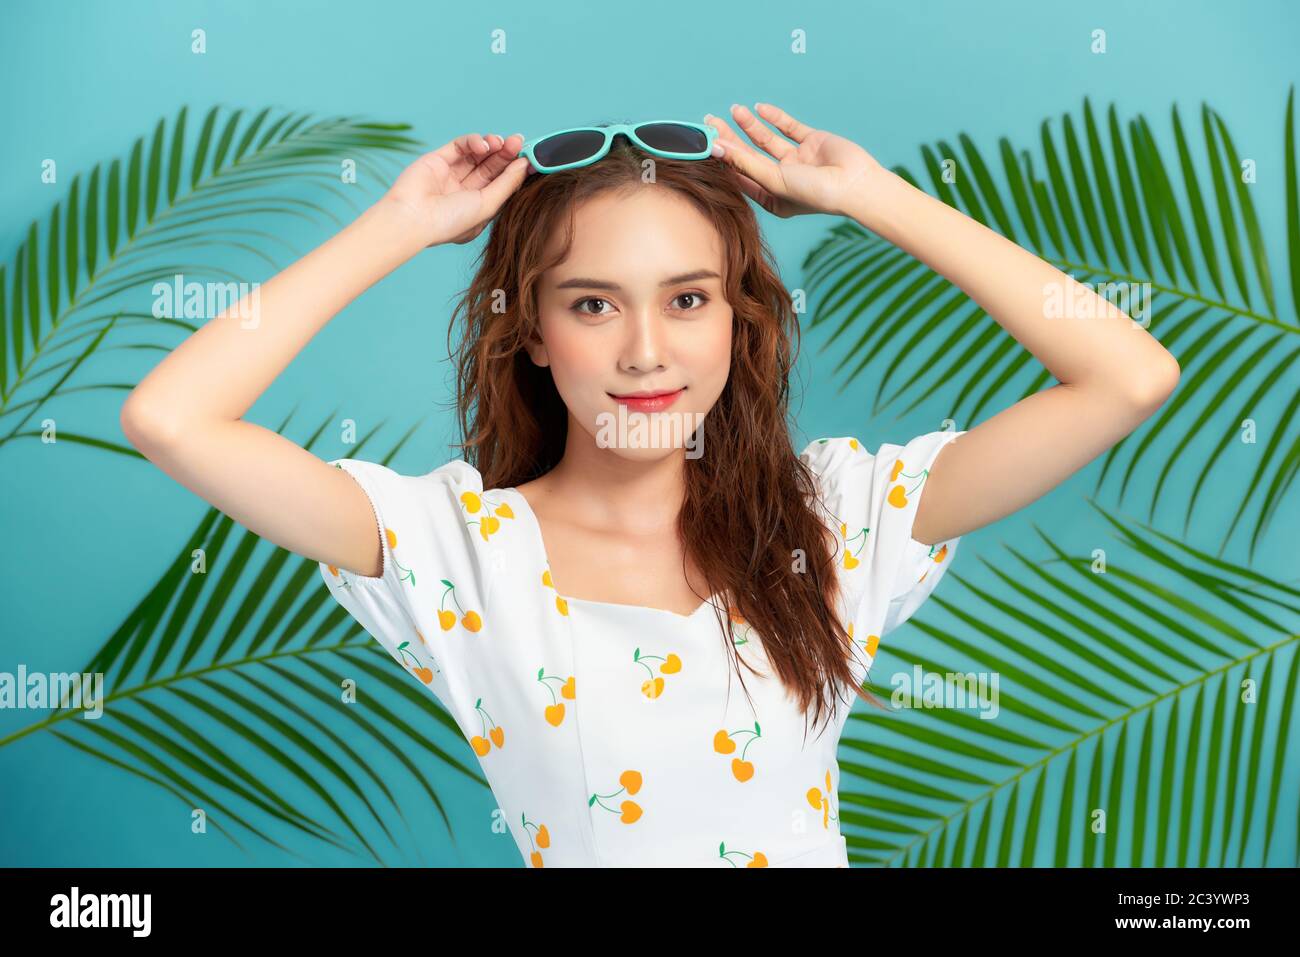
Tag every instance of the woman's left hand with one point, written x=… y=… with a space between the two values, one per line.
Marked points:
x=818 y=173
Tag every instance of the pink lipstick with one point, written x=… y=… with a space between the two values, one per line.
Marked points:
x=655 y=400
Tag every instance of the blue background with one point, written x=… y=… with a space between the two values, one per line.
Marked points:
x=86 y=532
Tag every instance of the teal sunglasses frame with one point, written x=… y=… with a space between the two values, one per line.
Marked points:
x=629 y=130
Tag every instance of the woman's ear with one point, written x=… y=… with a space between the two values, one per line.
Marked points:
x=537 y=352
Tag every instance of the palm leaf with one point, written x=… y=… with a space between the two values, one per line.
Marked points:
x=1104 y=209
x=195 y=696
x=131 y=229
x=1146 y=725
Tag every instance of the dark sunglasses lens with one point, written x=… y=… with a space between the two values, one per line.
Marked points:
x=568 y=147
x=672 y=137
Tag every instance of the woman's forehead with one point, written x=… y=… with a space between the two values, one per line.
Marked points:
x=636 y=242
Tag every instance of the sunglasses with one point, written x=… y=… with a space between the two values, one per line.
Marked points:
x=584 y=145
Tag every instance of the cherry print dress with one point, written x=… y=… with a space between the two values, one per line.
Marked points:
x=616 y=735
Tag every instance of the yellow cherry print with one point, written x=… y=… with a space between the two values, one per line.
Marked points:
x=757 y=859
x=724 y=743
x=407 y=574
x=495 y=735
x=653 y=686
x=898 y=496
x=539 y=836
x=488 y=524
x=561 y=605
x=629 y=811
x=554 y=712
x=422 y=672
x=822 y=802
x=447 y=618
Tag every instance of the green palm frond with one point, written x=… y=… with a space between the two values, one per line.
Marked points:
x=192 y=702
x=1143 y=725
x=1103 y=208
x=168 y=210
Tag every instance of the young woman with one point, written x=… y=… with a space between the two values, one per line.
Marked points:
x=550 y=588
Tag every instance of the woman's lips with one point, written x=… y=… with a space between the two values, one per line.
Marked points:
x=643 y=403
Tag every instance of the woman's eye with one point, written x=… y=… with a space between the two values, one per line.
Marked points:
x=699 y=299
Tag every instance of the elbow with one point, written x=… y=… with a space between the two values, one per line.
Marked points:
x=1156 y=384
x=144 y=425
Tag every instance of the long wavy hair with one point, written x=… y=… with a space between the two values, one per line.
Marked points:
x=748 y=520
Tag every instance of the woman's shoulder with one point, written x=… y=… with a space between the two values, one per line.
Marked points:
x=449 y=548
x=846 y=460
x=871 y=500
x=458 y=472
x=447 y=502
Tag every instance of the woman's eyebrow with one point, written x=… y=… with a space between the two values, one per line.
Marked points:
x=581 y=282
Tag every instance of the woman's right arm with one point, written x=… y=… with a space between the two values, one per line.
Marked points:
x=186 y=415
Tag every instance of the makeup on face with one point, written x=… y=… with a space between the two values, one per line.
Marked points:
x=648 y=400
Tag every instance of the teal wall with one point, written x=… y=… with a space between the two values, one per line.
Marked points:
x=86 y=532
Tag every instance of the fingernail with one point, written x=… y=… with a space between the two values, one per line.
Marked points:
x=735 y=106
x=718 y=149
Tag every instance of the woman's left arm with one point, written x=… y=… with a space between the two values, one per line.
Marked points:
x=1112 y=374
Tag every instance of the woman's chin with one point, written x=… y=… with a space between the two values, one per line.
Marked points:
x=648 y=436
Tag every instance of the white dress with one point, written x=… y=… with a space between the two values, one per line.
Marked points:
x=620 y=735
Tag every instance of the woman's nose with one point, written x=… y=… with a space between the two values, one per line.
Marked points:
x=646 y=343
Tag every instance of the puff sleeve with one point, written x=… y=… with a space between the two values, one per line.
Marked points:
x=432 y=579
x=872 y=499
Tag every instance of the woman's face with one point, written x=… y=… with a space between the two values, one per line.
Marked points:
x=637 y=307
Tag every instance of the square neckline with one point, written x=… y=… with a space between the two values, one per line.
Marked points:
x=540 y=540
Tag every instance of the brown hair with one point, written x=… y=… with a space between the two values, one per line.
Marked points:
x=747 y=504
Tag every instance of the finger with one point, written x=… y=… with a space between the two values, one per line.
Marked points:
x=490 y=166
x=757 y=193
x=760 y=134
x=784 y=122
x=726 y=136
x=498 y=191
x=464 y=153
x=760 y=169
x=725 y=133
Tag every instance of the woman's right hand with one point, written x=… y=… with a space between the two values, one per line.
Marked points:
x=452 y=192
x=186 y=416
